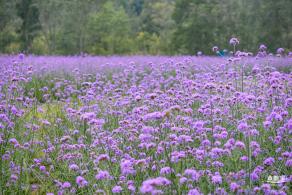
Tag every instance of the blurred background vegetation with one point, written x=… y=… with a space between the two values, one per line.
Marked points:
x=159 y=27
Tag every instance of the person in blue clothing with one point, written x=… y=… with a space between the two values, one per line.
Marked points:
x=219 y=52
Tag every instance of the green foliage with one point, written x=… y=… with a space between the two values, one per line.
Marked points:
x=9 y=40
x=39 y=45
x=109 y=30
x=147 y=43
x=276 y=24
x=29 y=13
x=107 y=27
x=203 y=24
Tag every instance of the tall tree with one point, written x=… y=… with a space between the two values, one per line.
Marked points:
x=29 y=13
x=51 y=12
x=8 y=25
x=276 y=23
x=109 y=30
x=196 y=25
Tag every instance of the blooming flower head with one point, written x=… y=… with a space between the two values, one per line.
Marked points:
x=192 y=174
x=88 y=116
x=21 y=56
x=242 y=126
x=66 y=184
x=165 y=171
x=127 y=167
x=269 y=161
x=102 y=175
x=73 y=167
x=153 y=116
x=240 y=144
x=13 y=141
x=42 y=168
x=117 y=189
x=280 y=51
x=262 y=47
x=150 y=185
x=254 y=176
x=216 y=179
x=13 y=178
x=81 y=182
x=234 y=41
x=265 y=187
x=234 y=187
x=215 y=48
x=194 y=192
x=102 y=157
x=288 y=163
x=183 y=180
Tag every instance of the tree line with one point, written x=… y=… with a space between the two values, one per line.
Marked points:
x=157 y=27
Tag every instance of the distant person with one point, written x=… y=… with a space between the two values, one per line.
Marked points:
x=219 y=52
x=222 y=53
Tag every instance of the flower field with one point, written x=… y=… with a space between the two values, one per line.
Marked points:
x=145 y=125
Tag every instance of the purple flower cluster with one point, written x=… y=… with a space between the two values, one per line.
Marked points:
x=146 y=125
